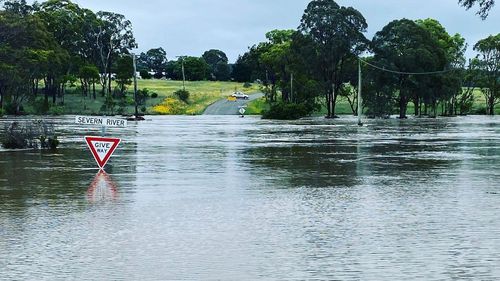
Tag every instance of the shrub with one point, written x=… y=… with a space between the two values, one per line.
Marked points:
x=121 y=110
x=286 y=111
x=247 y=85
x=40 y=106
x=143 y=109
x=11 y=109
x=145 y=75
x=56 y=110
x=142 y=96
x=170 y=106
x=49 y=143
x=480 y=111
x=1 y=112
x=32 y=134
x=154 y=95
x=183 y=95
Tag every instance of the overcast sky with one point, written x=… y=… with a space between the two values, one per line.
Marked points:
x=190 y=27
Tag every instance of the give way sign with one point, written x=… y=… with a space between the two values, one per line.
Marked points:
x=102 y=148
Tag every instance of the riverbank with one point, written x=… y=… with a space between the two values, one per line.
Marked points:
x=161 y=100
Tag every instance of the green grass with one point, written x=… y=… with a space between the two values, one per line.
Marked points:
x=202 y=94
x=256 y=107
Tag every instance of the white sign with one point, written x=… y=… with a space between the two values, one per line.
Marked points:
x=101 y=121
x=242 y=111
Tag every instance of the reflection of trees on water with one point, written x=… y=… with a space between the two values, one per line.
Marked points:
x=328 y=165
x=373 y=155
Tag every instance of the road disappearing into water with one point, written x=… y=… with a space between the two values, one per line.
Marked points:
x=226 y=107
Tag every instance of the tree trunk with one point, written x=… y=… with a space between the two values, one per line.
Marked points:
x=110 y=77
x=93 y=90
x=334 y=102
x=402 y=106
x=491 y=105
x=329 y=112
x=46 y=91
x=416 y=103
x=54 y=94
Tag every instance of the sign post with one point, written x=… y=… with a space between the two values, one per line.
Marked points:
x=101 y=147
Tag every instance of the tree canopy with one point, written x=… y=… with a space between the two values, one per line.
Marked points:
x=484 y=6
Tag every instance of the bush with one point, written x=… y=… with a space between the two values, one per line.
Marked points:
x=154 y=95
x=145 y=75
x=480 y=111
x=11 y=109
x=1 y=112
x=49 y=143
x=143 y=109
x=32 y=134
x=40 y=106
x=121 y=110
x=247 y=85
x=286 y=111
x=56 y=110
x=183 y=95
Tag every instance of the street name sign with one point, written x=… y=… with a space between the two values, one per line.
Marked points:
x=101 y=121
x=102 y=148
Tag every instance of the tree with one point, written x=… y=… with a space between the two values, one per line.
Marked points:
x=249 y=68
x=484 y=6
x=337 y=33
x=73 y=29
x=276 y=58
x=115 y=36
x=489 y=63
x=19 y=7
x=27 y=53
x=124 y=72
x=89 y=75
x=156 y=59
x=218 y=63
x=405 y=47
x=454 y=48
x=196 y=69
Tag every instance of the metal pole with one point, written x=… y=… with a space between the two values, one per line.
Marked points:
x=183 y=76
x=135 y=86
x=360 y=81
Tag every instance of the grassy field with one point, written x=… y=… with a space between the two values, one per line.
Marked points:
x=342 y=108
x=202 y=94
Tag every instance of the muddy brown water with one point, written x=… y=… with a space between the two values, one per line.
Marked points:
x=228 y=198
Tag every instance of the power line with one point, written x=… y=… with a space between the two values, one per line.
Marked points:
x=404 y=73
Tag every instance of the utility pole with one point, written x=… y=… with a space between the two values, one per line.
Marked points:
x=183 y=74
x=360 y=81
x=135 y=86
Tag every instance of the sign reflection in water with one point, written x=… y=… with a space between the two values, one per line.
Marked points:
x=102 y=188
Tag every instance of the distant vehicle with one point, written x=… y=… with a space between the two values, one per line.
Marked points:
x=239 y=95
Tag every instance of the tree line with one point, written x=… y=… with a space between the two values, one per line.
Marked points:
x=47 y=47
x=406 y=62
x=212 y=65
x=58 y=43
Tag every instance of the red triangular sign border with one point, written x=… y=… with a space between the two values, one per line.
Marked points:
x=102 y=162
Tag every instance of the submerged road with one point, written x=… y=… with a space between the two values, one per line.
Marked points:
x=225 y=107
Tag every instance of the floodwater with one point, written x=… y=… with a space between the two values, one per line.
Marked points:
x=228 y=198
